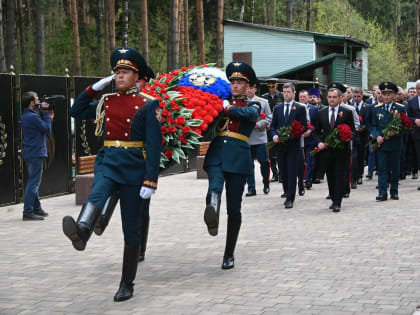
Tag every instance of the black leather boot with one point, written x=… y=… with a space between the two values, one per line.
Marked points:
x=265 y=172
x=144 y=232
x=129 y=270
x=106 y=214
x=211 y=213
x=79 y=232
x=233 y=227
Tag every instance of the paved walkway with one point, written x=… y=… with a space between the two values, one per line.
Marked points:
x=305 y=260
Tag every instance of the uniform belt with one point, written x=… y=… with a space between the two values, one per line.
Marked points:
x=123 y=144
x=232 y=134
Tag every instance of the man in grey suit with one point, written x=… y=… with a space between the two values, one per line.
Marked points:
x=413 y=111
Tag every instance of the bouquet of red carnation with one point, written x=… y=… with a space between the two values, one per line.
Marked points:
x=310 y=126
x=399 y=123
x=337 y=139
x=285 y=133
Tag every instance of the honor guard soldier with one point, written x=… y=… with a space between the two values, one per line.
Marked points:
x=258 y=142
x=128 y=163
x=274 y=97
x=228 y=159
x=388 y=150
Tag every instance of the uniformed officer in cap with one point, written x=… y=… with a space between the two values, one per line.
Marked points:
x=388 y=150
x=228 y=160
x=128 y=163
x=274 y=97
x=144 y=78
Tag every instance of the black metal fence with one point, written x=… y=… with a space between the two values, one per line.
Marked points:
x=67 y=141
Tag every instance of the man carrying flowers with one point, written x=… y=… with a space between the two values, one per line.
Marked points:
x=333 y=131
x=288 y=124
x=386 y=124
x=228 y=160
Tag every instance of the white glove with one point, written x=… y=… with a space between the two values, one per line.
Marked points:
x=146 y=192
x=99 y=86
x=225 y=104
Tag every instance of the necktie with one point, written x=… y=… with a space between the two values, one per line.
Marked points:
x=286 y=115
x=332 y=120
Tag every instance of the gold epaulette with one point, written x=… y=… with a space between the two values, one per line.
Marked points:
x=402 y=105
x=147 y=96
x=100 y=115
x=300 y=103
x=379 y=105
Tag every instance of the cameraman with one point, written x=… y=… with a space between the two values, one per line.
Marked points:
x=36 y=125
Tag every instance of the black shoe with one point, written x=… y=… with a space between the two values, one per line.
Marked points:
x=418 y=188
x=353 y=186
x=301 y=192
x=331 y=207
x=308 y=185
x=316 y=181
x=280 y=180
x=79 y=232
x=228 y=263
x=31 y=217
x=288 y=204
x=211 y=213
x=41 y=213
x=275 y=178
x=129 y=270
x=381 y=198
x=415 y=176
x=346 y=195
x=395 y=197
x=336 y=208
x=251 y=193
x=124 y=292
x=283 y=195
x=360 y=181
x=369 y=176
x=328 y=197
x=266 y=189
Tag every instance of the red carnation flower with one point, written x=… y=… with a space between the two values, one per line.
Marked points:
x=208 y=119
x=168 y=154
x=297 y=129
x=406 y=122
x=263 y=115
x=186 y=130
x=310 y=126
x=197 y=130
x=360 y=118
x=172 y=129
x=165 y=113
x=204 y=126
x=164 y=130
x=182 y=139
x=344 y=132
x=180 y=121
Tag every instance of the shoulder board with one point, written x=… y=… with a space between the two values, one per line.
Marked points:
x=379 y=105
x=261 y=98
x=147 y=96
x=108 y=94
x=400 y=104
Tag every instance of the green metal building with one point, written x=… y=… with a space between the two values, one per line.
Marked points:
x=297 y=55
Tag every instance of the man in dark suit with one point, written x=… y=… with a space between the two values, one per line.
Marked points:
x=228 y=160
x=287 y=153
x=363 y=111
x=413 y=112
x=337 y=160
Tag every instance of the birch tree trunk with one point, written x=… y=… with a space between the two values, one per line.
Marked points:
x=219 y=38
x=200 y=30
x=3 y=67
x=144 y=30
x=76 y=39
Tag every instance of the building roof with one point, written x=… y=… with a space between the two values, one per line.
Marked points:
x=322 y=37
x=309 y=65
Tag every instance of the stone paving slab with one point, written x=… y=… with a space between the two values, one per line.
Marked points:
x=305 y=260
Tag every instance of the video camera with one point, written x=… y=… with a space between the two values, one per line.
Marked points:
x=50 y=100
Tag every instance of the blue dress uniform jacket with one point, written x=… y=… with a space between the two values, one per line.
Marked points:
x=296 y=112
x=134 y=166
x=231 y=153
x=380 y=118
